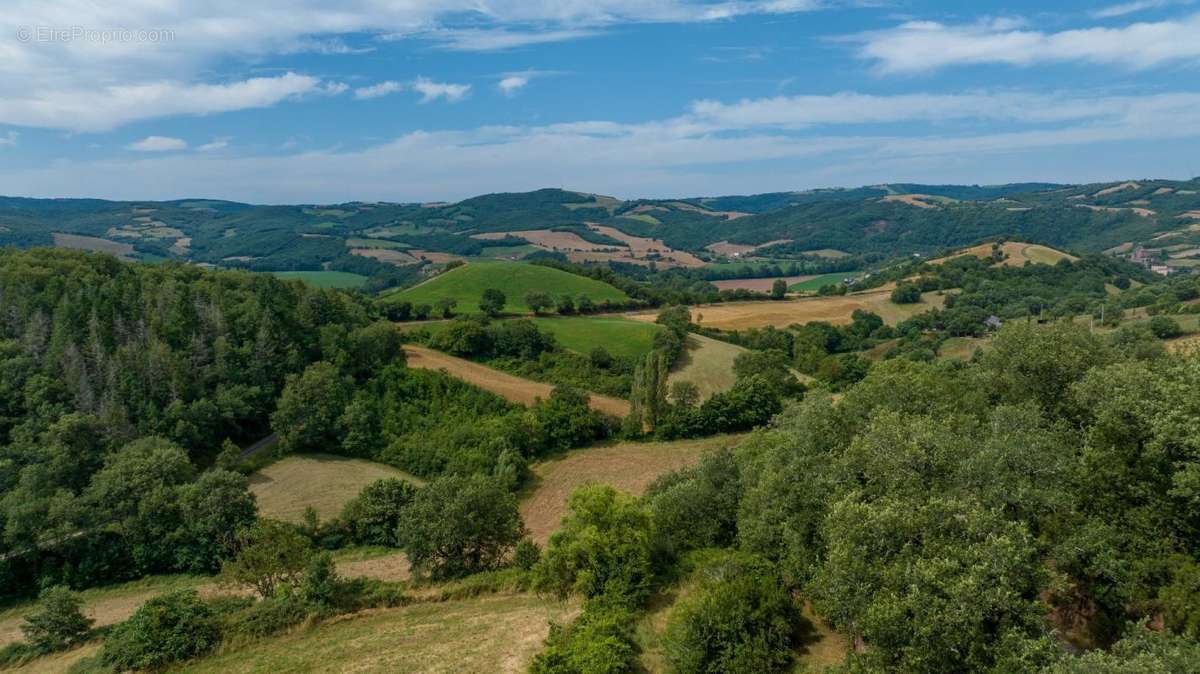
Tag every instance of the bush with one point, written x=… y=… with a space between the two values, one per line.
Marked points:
x=526 y=555
x=373 y=515
x=58 y=623
x=271 y=555
x=264 y=618
x=740 y=621
x=460 y=525
x=603 y=548
x=167 y=629
x=1165 y=327
x=906 y=293
x=600 y=641
x=696 y=507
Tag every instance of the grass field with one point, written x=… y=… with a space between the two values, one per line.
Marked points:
x=321 y=481
x=512 y=388
x=325 y=279
x=962 y=348
x=515 y=279
x=835 y=309
x=707 y=363
x=92 y=243
x=498 y=633
x=619 y=336
x=815 y=283
x=627 y=466
x=1017 y=254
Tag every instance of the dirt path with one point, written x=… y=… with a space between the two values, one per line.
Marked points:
x=503 y=384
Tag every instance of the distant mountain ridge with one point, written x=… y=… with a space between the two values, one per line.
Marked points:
x=879 y=220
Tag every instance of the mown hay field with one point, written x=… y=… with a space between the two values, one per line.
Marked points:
x=323 y=482
x=495 y=633
x=835 y=309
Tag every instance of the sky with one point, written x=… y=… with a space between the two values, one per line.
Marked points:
x=313 y=101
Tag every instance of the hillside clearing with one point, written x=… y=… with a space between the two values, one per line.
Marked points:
x=628 y=466
x=707 y=363
x=1016 y=254
x=515 y=279
x=499 y=633
x=835 y=309
x=814 y=283
x=507 y=386
x=324 y=279
x=94 y=244
x=762 y=285
x=324 y=482
x=619 y=336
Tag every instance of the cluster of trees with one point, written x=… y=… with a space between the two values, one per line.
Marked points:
x=944 y=516
x=120 y=383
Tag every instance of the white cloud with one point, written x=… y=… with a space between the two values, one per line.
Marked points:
x=499 y=39
x=378 y=90
x=9 y=139
x=919 y=46
x=1133 y=7
x=713 y=148
x=158 y=144
x=216 y=144
x=510 y=85
x=431 y=91
x=106 y=107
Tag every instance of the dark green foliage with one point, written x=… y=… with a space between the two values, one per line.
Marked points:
x=907 y=293
x=170 y=628
x=492 y=301
x=740 y=619
x=779 y=289
x=58 y=623
x=600 y=641
x=457 y=526
x=271 y=556
x=1142 y=652
x=526 y=555
x=1165 y=327
x=373 y=515
x=696 y=507
x=602 y=548
x=308 y=414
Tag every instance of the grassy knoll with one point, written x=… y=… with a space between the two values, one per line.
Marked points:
x=627 y=466
x=707 y=363
x=515 y=279
x=815 y=283
x=499 y=633
x=1017 y=254
x=321 y=481
x=325 y=279
x=620 y=336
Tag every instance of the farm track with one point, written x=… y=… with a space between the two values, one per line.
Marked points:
x=510 y=387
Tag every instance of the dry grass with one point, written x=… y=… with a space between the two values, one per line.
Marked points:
x=512 y=388
x=918 y=200
x=387 y=255
x=323 y=482
x=499 y=633
x=1016 y=254
x=761 y=285
x=436 y=258
x=707 y=363
x=629 y=467
x=92 y=243
x=641 y=246
x=1118 y=188
x=836 y=310
x=550 y=240
x=1143 y=212
x=962 y=348
x=61 y=662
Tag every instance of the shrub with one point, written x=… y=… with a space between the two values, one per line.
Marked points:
x=170 y=628
x=264 y=618
x=906 y=293
x=526 y=555
x=373 y=515
x=58 y=623
x=1165 y=327
x=460 y=525
x=741 y=620
x=600 y=641
x=603 y=548
x=271 y=555
x=696 y=507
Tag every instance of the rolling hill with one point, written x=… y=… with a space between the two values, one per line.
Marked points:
x=466 y=284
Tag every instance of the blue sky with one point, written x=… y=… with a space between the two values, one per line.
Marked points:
x=304 y=101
